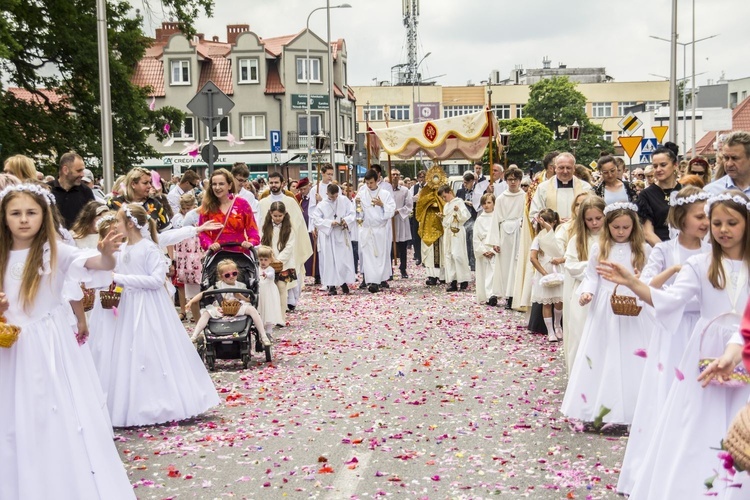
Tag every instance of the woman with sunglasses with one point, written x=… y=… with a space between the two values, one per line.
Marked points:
x=138 y=185
x=653 y=202
x=699 y=166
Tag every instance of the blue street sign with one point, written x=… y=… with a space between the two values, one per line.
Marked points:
x=275 y=141
x=648 y=146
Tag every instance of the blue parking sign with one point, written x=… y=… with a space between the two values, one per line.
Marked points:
x=275 y=141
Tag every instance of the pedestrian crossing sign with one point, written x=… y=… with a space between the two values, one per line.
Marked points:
x=645 y=158
x=648 y=146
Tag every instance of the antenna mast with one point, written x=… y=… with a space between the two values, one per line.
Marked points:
x=411 y=15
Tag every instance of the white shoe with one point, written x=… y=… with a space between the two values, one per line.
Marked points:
x=551 y=337
x=559 y=332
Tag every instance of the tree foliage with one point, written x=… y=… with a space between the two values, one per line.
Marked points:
x=48 y=44
x=529 y=140
x=557 y=104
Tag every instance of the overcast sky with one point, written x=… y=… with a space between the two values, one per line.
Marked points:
x=470 y=38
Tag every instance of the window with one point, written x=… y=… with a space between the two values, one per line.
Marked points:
x=373 y=113
x=180 y=72
x=519 y=110
x=607 y=136
x=451 y=111
x=348 y=127
x=187 y=131
x=623 y=106
x=652 y=105
x=302 y=124
x=502 y=111
x=248 y=69
x=222 y=129
x=400 y=113
x=314 y=68
x=601 y=109
x=253 y=126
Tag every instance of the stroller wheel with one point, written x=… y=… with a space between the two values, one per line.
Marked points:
x=268 y=354
x=245 y=361
x=211 y=362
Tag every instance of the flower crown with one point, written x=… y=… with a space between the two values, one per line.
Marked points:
x=29 y=188
x=714 y=199
x=620 y=206
x=142 y=228
x=676 y=201
x=106 y=218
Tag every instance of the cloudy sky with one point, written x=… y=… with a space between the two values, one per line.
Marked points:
x=470 y=38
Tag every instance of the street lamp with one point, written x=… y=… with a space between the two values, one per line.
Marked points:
x=505 y=143
x=307 y=77
x=574 y=134
x=684 y=95
x=349 y=152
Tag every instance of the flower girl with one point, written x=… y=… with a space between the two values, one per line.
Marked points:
x=156 y=375
x=606 y=374
x=56 y=441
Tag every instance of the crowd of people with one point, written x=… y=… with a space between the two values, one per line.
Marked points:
x=642 y=275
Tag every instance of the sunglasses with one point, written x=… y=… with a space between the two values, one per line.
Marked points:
x=229 y=275
x=699 y=172
x=641 y=176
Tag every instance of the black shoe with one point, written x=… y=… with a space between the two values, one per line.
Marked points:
x=345 y=289
x=453 y=287
x=509 y=303
x=317 y=281
x=418 y=262
x=332 y=290
x=442 y=282
x=431 y=282
x=464 y=285
x=492 y=302
x=374 y=288
x=362 y=285
x=290 y=307
x=384 y=284
x=404 y=276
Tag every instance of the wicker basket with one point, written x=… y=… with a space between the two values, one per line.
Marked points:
x=230 y=307
x=8 y=333
x=624 y=305
x=739 y=376
x=110 y=298
x=89 y=295
x=737 y=442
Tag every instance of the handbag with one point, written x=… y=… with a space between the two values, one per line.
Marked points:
x=553 y=279
x=739 y=376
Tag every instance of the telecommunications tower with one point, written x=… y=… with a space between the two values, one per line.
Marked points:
x=411 y=16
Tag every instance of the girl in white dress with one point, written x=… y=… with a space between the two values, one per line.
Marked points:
x=587 y=225
x=484 y=253
x=667 y=346
x=227 y=273
x=606 y=374
x=56 y=441
x=278 y=234
x=694 y=419
x=269 y=305
x=156 y=375
x=544 y=258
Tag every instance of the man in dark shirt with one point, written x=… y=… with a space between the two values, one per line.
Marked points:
x=69 y=192
x=466 y=193
x=415 y=239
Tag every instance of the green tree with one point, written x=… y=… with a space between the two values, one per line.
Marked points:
x=529 y=140
x=557 y=104
x=49 y=44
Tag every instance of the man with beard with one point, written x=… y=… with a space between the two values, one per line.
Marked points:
x=302 y=246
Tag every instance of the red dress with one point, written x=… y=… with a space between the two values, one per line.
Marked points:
x=745 y=330
x=239 y=227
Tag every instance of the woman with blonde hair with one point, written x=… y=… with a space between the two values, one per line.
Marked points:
x=138 y=186
x=21 y=166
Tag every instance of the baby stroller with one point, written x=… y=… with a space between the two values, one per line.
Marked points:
x=231 y=337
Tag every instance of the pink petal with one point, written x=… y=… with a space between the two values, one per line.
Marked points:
x=166 y=129
x=680 y=376
x=152 y=104
x=641 y=353
x=114 y=310
x=583 y=396
x=435 y=478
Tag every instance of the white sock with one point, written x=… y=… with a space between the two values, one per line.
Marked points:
x=558 y=319
x=548 y=324
x=269 y=329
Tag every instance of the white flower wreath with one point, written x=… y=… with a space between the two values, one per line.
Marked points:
x=693 y=198
x=726 y=197
x=142 y=228
x=620 y=206
x=29 y=188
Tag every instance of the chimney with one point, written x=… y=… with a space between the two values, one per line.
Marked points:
x=215 y=38
x=546 y=63
x=167 y=29
x=235 y=30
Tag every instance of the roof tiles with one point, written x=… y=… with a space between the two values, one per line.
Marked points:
x=25 y=95
x=219 y=71
x=740 y=121
x=273 y=81
x=149 y=72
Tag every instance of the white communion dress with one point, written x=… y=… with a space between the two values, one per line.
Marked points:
x=156 y=375
x=55 y=438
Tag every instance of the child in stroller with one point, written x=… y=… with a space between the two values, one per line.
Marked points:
x=227 y=273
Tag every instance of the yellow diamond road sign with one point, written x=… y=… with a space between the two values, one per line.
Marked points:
x=629 y=124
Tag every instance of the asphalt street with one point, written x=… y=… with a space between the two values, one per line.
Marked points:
x=409 y=393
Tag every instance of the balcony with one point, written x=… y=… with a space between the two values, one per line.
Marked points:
x=296 y=140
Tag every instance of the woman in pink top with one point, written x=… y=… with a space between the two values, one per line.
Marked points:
x=221 y=205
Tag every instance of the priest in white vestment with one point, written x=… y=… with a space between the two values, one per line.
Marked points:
x=332 y=218
x=559 y=192
x=455 y=252
x=374 y=244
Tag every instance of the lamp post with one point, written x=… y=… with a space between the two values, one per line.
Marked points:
x=574 y=134
x=505 y=143
x=349 y=152
x=685 y=78
x=307 y=76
